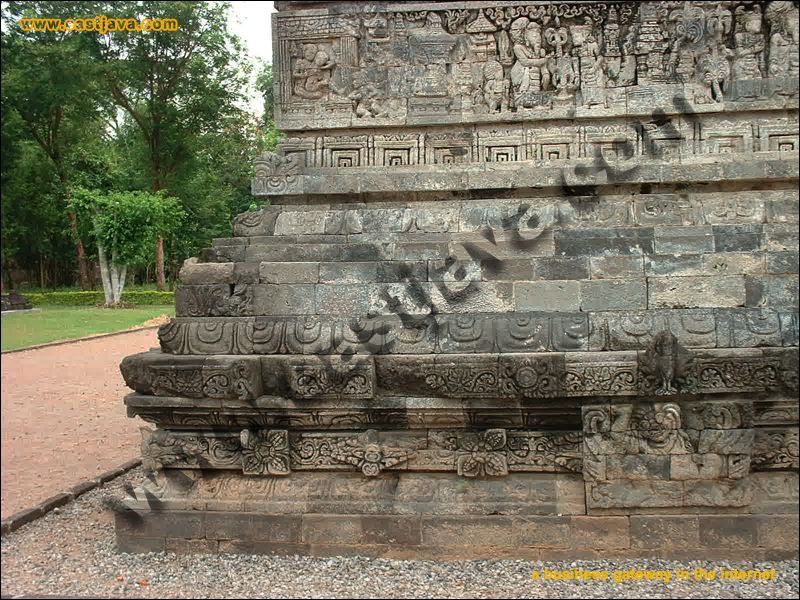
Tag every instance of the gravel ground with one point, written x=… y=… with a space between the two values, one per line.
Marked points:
x=72 y=553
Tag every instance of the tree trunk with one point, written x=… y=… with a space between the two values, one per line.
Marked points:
x=41 y=272
x=80 y=253
x=105 y=276
x=118 y=273
x=160 y=264
x=173 y=266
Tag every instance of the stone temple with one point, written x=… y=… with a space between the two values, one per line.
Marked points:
x=526 y=286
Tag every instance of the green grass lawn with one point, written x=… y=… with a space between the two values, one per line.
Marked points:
x=50 y=324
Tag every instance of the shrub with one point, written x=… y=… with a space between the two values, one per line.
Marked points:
x=93 y=298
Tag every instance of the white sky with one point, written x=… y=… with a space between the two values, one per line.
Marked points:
x=251 y=21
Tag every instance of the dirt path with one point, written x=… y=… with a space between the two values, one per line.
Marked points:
x=63 y=419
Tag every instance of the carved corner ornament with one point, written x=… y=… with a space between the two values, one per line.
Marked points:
x=366 y=453
x=666 y=366
x=276 y=174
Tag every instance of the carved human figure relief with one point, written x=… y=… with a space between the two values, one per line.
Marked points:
x=311 y=73
x=529 y=73
x=784 y=40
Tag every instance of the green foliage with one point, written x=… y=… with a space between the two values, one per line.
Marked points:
x=270 y=135
x=93 y=298
x=119 y=113
x=126 y=224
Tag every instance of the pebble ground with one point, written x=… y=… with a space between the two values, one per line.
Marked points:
x=71 y=552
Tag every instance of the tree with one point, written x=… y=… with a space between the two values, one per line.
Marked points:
x=124 y=226
x=49 y=81
x=173 y=85
x=264 y=82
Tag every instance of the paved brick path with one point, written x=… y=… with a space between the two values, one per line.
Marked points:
x=63 y=419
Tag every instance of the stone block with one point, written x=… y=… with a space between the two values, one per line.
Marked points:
x=600 y=533
x=638 y=467
x=782 y=207
x=781 y=237
x=673 y=265
x=695 y=292
x=471 y=297
x=295 y=223
x=662 y=531
x=456 y=270
x=613 y=294
x=348 y=272
x=782 y=262
x=738 y=238
x=790 y=328
x=775 y=291
x=413 y=251
x=196 y=273
x=684 y=240
x=718 y=492
x=252 y=527
x=157 y=525
x=223 y=254
x=634 y=494
x=756 y=327
x=268 y=548
x=289 y=272
x=401 y=530
x=246 y=273
x=220 y=300
x=253 y=223
x=284 y=299
x=616 y=267
x=726 y=441
x=366 y=252
x=697 y=466
x=777 y=531
x=346 y=299
x=395 y=271
x=466 y=333
x=604 y=242
x=560 y=268
x=509 y=269
x=733 y=263
x=728 y=531
x=541 y=532
x=547 y=295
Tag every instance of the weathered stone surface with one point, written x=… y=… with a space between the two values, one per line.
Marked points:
x=613 y=294
x=613 y=267
x=548 y=296
x=685 y=240
x=197 y=273
x=664 y=532
x=292 y=272
x=694 y=292
x=523 y=262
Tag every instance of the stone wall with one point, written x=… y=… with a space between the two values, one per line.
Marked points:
x=527 y=286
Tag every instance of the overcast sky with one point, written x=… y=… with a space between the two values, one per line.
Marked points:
x=251 y=21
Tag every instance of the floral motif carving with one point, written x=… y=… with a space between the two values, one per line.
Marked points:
x=462 y=380
x=332 y=381
x=265 y=452
x=776 y=450
x=482 y=453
